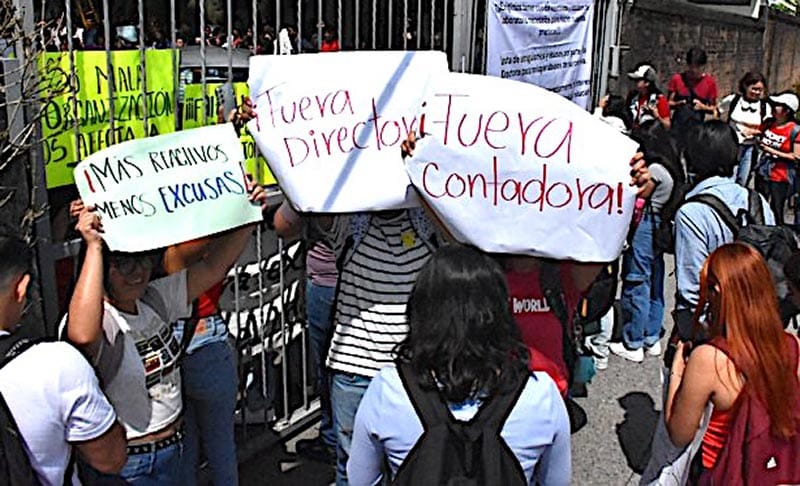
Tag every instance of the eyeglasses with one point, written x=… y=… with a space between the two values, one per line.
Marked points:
x=128 y=265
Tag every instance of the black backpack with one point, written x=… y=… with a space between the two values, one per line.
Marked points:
x=664 y=232
x=685 y=118
x=455 y=453
x=594 y=304
x=775 y=243
x=15 y=465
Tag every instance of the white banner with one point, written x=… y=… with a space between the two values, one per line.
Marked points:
x=331 y=124
x=163 y=190
x=522 y=170
x=548 y=44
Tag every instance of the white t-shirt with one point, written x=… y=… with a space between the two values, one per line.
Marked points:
x=55 y=398
x=137 y=360
x=744 y=114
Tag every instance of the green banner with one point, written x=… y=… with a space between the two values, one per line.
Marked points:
x=93 y=110
x=193 y=116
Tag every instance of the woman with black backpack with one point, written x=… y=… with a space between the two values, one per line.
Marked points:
x=462 y=380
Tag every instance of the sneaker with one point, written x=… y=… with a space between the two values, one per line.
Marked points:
x=654 y=350
x=635 y=355
x=600 y=362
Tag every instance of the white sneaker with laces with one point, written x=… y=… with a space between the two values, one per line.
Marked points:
x=635 y=355
x=600 y=361
x=654 y=350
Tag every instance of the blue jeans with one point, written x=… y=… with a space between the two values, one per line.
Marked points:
x=346 y=393
x=600 y=340
x=209 y=402
x=159 y=468
x=642 y=300
x=746 y=154
x=319 y=302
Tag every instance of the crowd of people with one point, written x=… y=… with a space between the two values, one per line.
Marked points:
x=54 y=36
x=434 y=359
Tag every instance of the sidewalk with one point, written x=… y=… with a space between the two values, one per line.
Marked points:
x=611 y=450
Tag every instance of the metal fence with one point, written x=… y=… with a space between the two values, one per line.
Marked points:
x=263 y=297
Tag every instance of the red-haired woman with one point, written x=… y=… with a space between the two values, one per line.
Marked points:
x=738 y=309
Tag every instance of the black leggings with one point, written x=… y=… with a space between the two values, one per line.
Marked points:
x=778 y=192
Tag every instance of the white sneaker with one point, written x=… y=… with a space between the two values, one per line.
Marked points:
x=654 y=350
x=635 y=355
x=600 y=362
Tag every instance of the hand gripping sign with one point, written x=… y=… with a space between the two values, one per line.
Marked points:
x=513 y=168
x=331 y=124
x=163 y=190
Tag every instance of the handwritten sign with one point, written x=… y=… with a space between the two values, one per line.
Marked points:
x=331 y=124
x=194 y=106
x=522 y=170
x=163 y=190
x=93 y=108
x=548 y=44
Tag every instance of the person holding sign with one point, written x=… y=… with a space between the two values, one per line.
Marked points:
x=122 y=321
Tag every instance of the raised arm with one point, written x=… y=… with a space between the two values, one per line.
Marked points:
x=183 y=255
x=221 y=255
x=85 y=318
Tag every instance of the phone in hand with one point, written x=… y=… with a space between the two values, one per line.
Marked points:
x=226 y=99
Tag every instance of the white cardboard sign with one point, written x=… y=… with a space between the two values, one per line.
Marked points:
x=163 y=190
x=548 y=44
x=331 y=124
x=513 y=168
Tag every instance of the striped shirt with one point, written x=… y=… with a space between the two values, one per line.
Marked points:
x=374 y=287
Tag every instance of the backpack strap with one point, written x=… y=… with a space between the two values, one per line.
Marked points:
x=793 y=136
x=689 y=86
x=734 y=102
x=430 y=408
x=499 y=407
x=12 y=345
x=550 y=280
x=720 y=207
x=189 y=327
x=154 y=299
x=763 y=104
x=755 y=208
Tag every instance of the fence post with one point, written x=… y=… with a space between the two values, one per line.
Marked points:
x=462 y=45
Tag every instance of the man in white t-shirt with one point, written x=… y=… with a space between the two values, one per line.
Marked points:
x=51 y=390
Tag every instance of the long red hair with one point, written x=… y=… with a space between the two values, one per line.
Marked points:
x=739 y=304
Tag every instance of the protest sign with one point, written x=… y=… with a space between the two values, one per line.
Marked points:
x=93 y=106
x=331 y=124
x=548 y=44
x=513 y=168
x=199 y=110
x=163 y=190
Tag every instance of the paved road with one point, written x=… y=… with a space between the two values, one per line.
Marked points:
x=612 y=449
